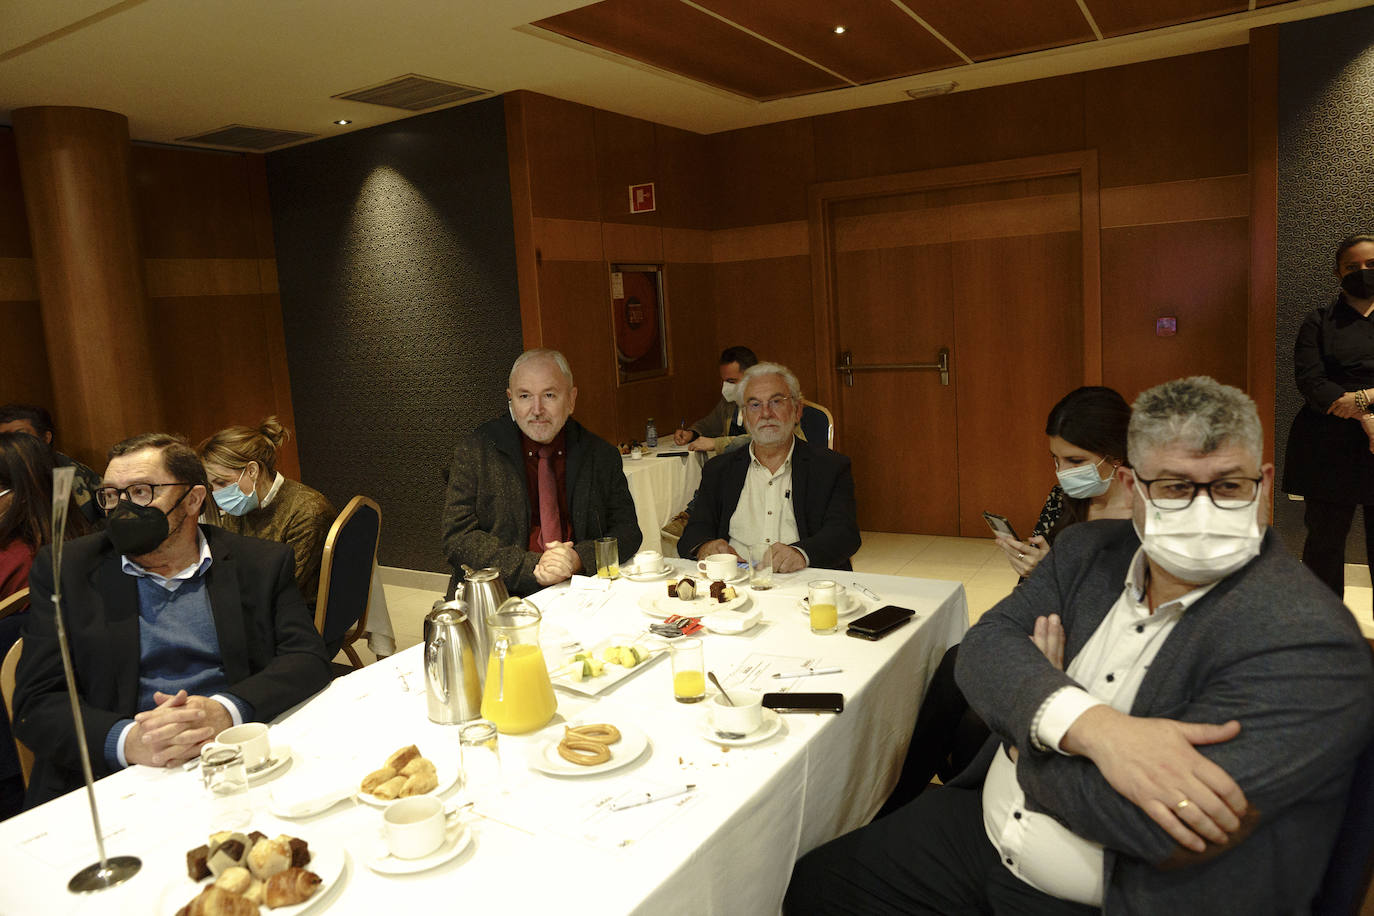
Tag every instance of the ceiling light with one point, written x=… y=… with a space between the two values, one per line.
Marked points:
x=342 y=121
x=839 y=30
x=925 y=92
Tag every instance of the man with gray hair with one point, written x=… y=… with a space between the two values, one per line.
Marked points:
x=1176 y=707
x=528 y=493
x=780 y=494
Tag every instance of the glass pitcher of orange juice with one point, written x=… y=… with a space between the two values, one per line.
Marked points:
x=517 y=697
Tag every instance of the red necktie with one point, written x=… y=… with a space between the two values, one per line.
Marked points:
x=550 y=529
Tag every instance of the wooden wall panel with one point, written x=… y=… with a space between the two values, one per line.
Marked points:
x=193 y=204
x=1004 y=122
x=1196 y=272
x=761 y=173
x=577 y=321
x=1166 y=120
x=695 y=345
x=14 y=226
x=560 y=149
x=686 y=195
x=766 y=305
x=24 y=356
x=625 y=155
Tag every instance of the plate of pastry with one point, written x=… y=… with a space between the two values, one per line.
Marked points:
x=407 y=773
x=693 y=597
x=586 y=749
x=246 y=873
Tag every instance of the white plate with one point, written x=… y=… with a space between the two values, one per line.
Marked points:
x=455 y=841
x=326 y=860
x=444 y=765
x=852 y=604
x=661 y=605
x=279 y=760
x=646 y=577
x=543 y=753
x=614 y=673
x=772 y=722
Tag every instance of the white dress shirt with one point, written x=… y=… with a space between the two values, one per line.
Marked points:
x=1035 y=847
x=764 y=513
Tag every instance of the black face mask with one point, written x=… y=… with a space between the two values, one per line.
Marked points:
x=138 y=530
x=1359 y=283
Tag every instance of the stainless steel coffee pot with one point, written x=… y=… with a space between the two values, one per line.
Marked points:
x=454 y=666
x=483 y=592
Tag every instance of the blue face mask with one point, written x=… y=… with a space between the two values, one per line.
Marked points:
x=1079 y=482
x=234 y=501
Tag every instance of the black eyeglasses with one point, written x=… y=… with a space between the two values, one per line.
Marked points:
x=1172 y=494
x=753 y=406
x=140 y=494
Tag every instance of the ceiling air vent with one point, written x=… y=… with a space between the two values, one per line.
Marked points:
x=414 y=93
x=237 y=136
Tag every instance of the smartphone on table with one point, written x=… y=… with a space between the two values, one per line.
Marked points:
x=879 y=623
x=804 y=702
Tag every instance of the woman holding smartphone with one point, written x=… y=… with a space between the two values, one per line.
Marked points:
x=1087 y=440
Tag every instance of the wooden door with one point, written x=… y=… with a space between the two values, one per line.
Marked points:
x=994 y=270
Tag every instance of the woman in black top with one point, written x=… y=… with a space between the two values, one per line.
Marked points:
x=1329 y=460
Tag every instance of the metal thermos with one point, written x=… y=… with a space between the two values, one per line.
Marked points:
x=483 y=592
x=453 y=665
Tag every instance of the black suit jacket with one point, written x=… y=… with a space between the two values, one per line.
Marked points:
x=822 y=500
x=272 y=655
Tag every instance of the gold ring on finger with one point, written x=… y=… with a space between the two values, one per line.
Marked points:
x=1183 y=804
x=1020 y=556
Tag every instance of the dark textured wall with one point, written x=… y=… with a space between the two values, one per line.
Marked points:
x=1326 y=145
x=396 y=257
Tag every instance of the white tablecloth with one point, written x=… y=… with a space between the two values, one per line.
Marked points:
x=661 y=488
x=728 y=850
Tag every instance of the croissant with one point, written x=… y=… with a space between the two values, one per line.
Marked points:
x=290 y=886
x=419 y=784
x=417 y=765
x=216 y=901
x=374 y=779
x=391 y=788
x=399 y=759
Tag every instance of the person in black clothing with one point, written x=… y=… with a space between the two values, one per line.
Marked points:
x=1329 y=461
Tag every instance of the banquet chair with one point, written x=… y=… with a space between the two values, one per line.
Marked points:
x=818 y=423
x=14 y=603
x=350 y=553
x=7 y=669
x=1350 y=870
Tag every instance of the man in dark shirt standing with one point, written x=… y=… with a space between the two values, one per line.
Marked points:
x=529 y=493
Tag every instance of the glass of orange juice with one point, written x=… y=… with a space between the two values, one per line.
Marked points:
x=825 y=615
x=689 y=670
x=607 y=558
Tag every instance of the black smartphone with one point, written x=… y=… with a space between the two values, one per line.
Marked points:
x=1000 y=525
x=672 y=454
x=879 y=623
x=804 y=702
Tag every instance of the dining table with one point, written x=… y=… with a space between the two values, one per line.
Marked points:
x=662 y=482
x=530 y=836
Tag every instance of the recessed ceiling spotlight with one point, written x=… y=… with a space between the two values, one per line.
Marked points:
x=926 y=92
x=839 y=30
x=342 y=121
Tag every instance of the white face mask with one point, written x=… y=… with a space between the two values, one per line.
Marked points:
x=728 y=390
x=1082 y=482
x=1201 y=543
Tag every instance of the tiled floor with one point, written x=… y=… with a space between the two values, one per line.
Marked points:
x=976 y=562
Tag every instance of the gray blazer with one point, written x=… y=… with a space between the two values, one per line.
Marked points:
x=1269 y=646
x=487 y=511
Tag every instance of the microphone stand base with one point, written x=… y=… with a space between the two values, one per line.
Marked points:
x=92 y=878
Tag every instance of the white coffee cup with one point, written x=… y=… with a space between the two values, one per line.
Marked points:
x=719 y=566
x=415 y=827
x=648 y=561
x=251 y=739
x=743 y=718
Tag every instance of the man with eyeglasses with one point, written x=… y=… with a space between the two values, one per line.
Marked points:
x=1176 y=706
x=780 y=494
x=177 y=630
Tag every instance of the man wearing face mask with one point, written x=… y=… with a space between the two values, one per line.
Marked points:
x=177 y=630
x=1161 y=691
x=725 y=421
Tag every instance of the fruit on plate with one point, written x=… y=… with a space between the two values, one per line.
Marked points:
x=625 y=656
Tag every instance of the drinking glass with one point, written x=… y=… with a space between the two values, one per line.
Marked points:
x=226 y=779
x=825 y=615
x=481 y=757
x=689 y=670
x=761 y=567
x=607 y=558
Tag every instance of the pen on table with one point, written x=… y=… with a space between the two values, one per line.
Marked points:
x=807 y=672
x=869 y=592
x=651 y=797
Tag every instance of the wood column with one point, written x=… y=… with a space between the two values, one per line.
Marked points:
x=74 y=167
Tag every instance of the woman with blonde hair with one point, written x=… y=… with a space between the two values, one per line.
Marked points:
x=254 y=500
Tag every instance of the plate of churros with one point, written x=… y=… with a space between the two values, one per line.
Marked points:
x=586 y=749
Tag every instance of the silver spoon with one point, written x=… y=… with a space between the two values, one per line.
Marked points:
x=712 y=676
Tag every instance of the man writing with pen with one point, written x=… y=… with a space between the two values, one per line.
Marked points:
x=780 y=493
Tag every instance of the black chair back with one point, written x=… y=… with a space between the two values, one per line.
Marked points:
x=350 y=553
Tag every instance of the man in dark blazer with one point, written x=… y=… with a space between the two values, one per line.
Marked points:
x=1176 y=706
x=177 y=631
x=495 y=512
x=780 y=493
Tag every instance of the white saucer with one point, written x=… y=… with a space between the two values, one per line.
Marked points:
x=279 y=760
x=852 y=605
x=772 y=722
x=646 y=577
x=456 y=840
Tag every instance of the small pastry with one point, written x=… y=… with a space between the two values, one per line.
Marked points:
x=235 y=880
x=255 y=837
x=267 y=858
x=422 y=782
x=398 y=760
x=418 y=765
x=728 y=594
x=716 y=588
x=256 y=892
x=391 y=788
x=196 y=869
x=672 y=589
x=300 y=851
x=227 y=854
x=289 y=887
x=686 y=590
x=374 y=779
x=216 y=901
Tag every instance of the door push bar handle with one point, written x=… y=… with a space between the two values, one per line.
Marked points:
x=847 y=368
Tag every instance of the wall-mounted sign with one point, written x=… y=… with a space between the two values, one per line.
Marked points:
x=642 y=198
